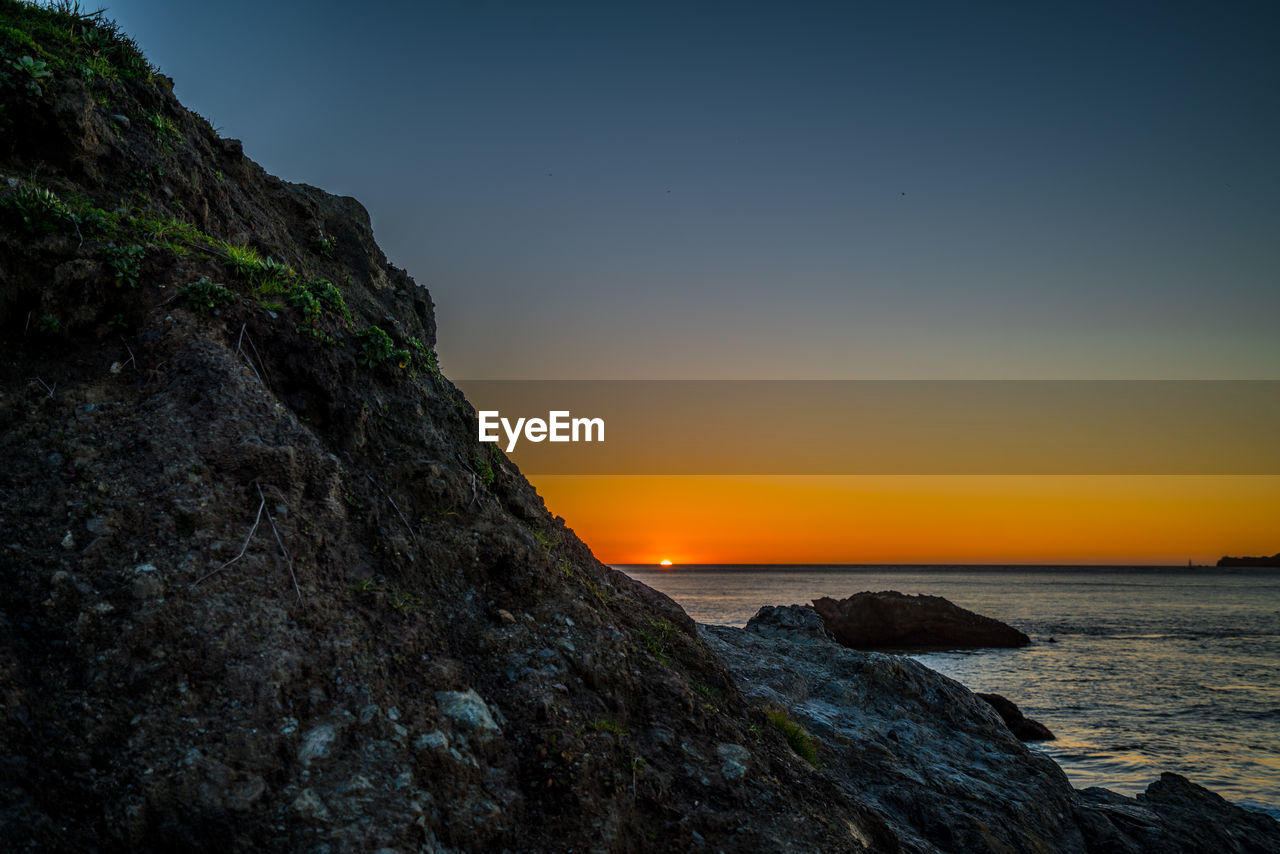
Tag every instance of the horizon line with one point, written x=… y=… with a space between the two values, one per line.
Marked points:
x=1120 y=565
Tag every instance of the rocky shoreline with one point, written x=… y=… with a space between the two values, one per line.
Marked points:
x=266 y=591
x=942 y=767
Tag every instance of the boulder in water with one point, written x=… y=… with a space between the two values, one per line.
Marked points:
x=892 y=620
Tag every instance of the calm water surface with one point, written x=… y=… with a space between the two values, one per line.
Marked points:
x=1153 y=669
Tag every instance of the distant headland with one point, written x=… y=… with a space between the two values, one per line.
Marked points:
x=1274 y=560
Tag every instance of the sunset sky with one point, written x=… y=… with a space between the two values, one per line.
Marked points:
x=801 y=191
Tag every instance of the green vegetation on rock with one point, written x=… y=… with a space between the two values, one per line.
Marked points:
x=804 y=744
x=204 y=295
x=39 y=210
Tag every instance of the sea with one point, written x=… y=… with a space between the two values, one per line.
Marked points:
x=1136 y=670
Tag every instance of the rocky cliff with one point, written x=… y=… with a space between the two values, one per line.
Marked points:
x=263 y=588
x=265 y=591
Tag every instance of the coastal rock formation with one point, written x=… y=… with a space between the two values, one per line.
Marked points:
x=791 y=621
x=945 y=772
x=1174 y=814
x=892 y=620
x=1019 y=724
x=265 y=590
x=1273 y=560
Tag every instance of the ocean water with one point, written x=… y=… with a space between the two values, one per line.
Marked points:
x=1153 y=669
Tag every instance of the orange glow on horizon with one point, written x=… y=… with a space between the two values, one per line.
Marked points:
x=917 y=519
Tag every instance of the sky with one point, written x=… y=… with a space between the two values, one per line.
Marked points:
x=861 y=190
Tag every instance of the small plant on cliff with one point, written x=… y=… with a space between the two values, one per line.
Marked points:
x=485 y=472
x=204 y=295
x=427 y=357
x=303 y=299
x=804 y=744
x=376 y=346
x=266 y=275
x=657 y=638
x=401 y=602
x=169 y=232
x=610 y=725
x=125 y=262
x=164 y=129
x=273 y=276
x=330 y=297
x=544 y=540
x=31 y=72
x=244 y=260
x=39 y=210
x=707 y=693
x=404 y=603
x=326 y=245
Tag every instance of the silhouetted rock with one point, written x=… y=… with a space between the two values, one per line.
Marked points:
x=1019 y=724
x=892 y=620
x=1273 y=560
x=1175 y=815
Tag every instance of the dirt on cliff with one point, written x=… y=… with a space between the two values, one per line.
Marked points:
x=263 y=588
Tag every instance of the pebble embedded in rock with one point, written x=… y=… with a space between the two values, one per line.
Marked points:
x=434 y=740
x=316 y=743
x=147 y=587
x=470 y=711
x=734 y=760
x=309 y=804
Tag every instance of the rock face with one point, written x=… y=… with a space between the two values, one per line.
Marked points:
x=945 y=772
x=263 y=588
x=1020 y=725
x=1273 y=560
x=892 y=620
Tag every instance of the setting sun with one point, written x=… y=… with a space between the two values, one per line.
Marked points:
x=664 y=563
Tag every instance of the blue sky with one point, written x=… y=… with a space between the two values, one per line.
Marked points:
x=752 y=190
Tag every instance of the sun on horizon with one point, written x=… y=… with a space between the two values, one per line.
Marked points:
x=664 y=563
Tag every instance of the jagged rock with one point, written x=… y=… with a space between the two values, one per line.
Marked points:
x=793 y=621
x=892 y=620
x=1019 y=724
x=937 y=762
x=947 y=774
x=1176 y=815
x=308 y=487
